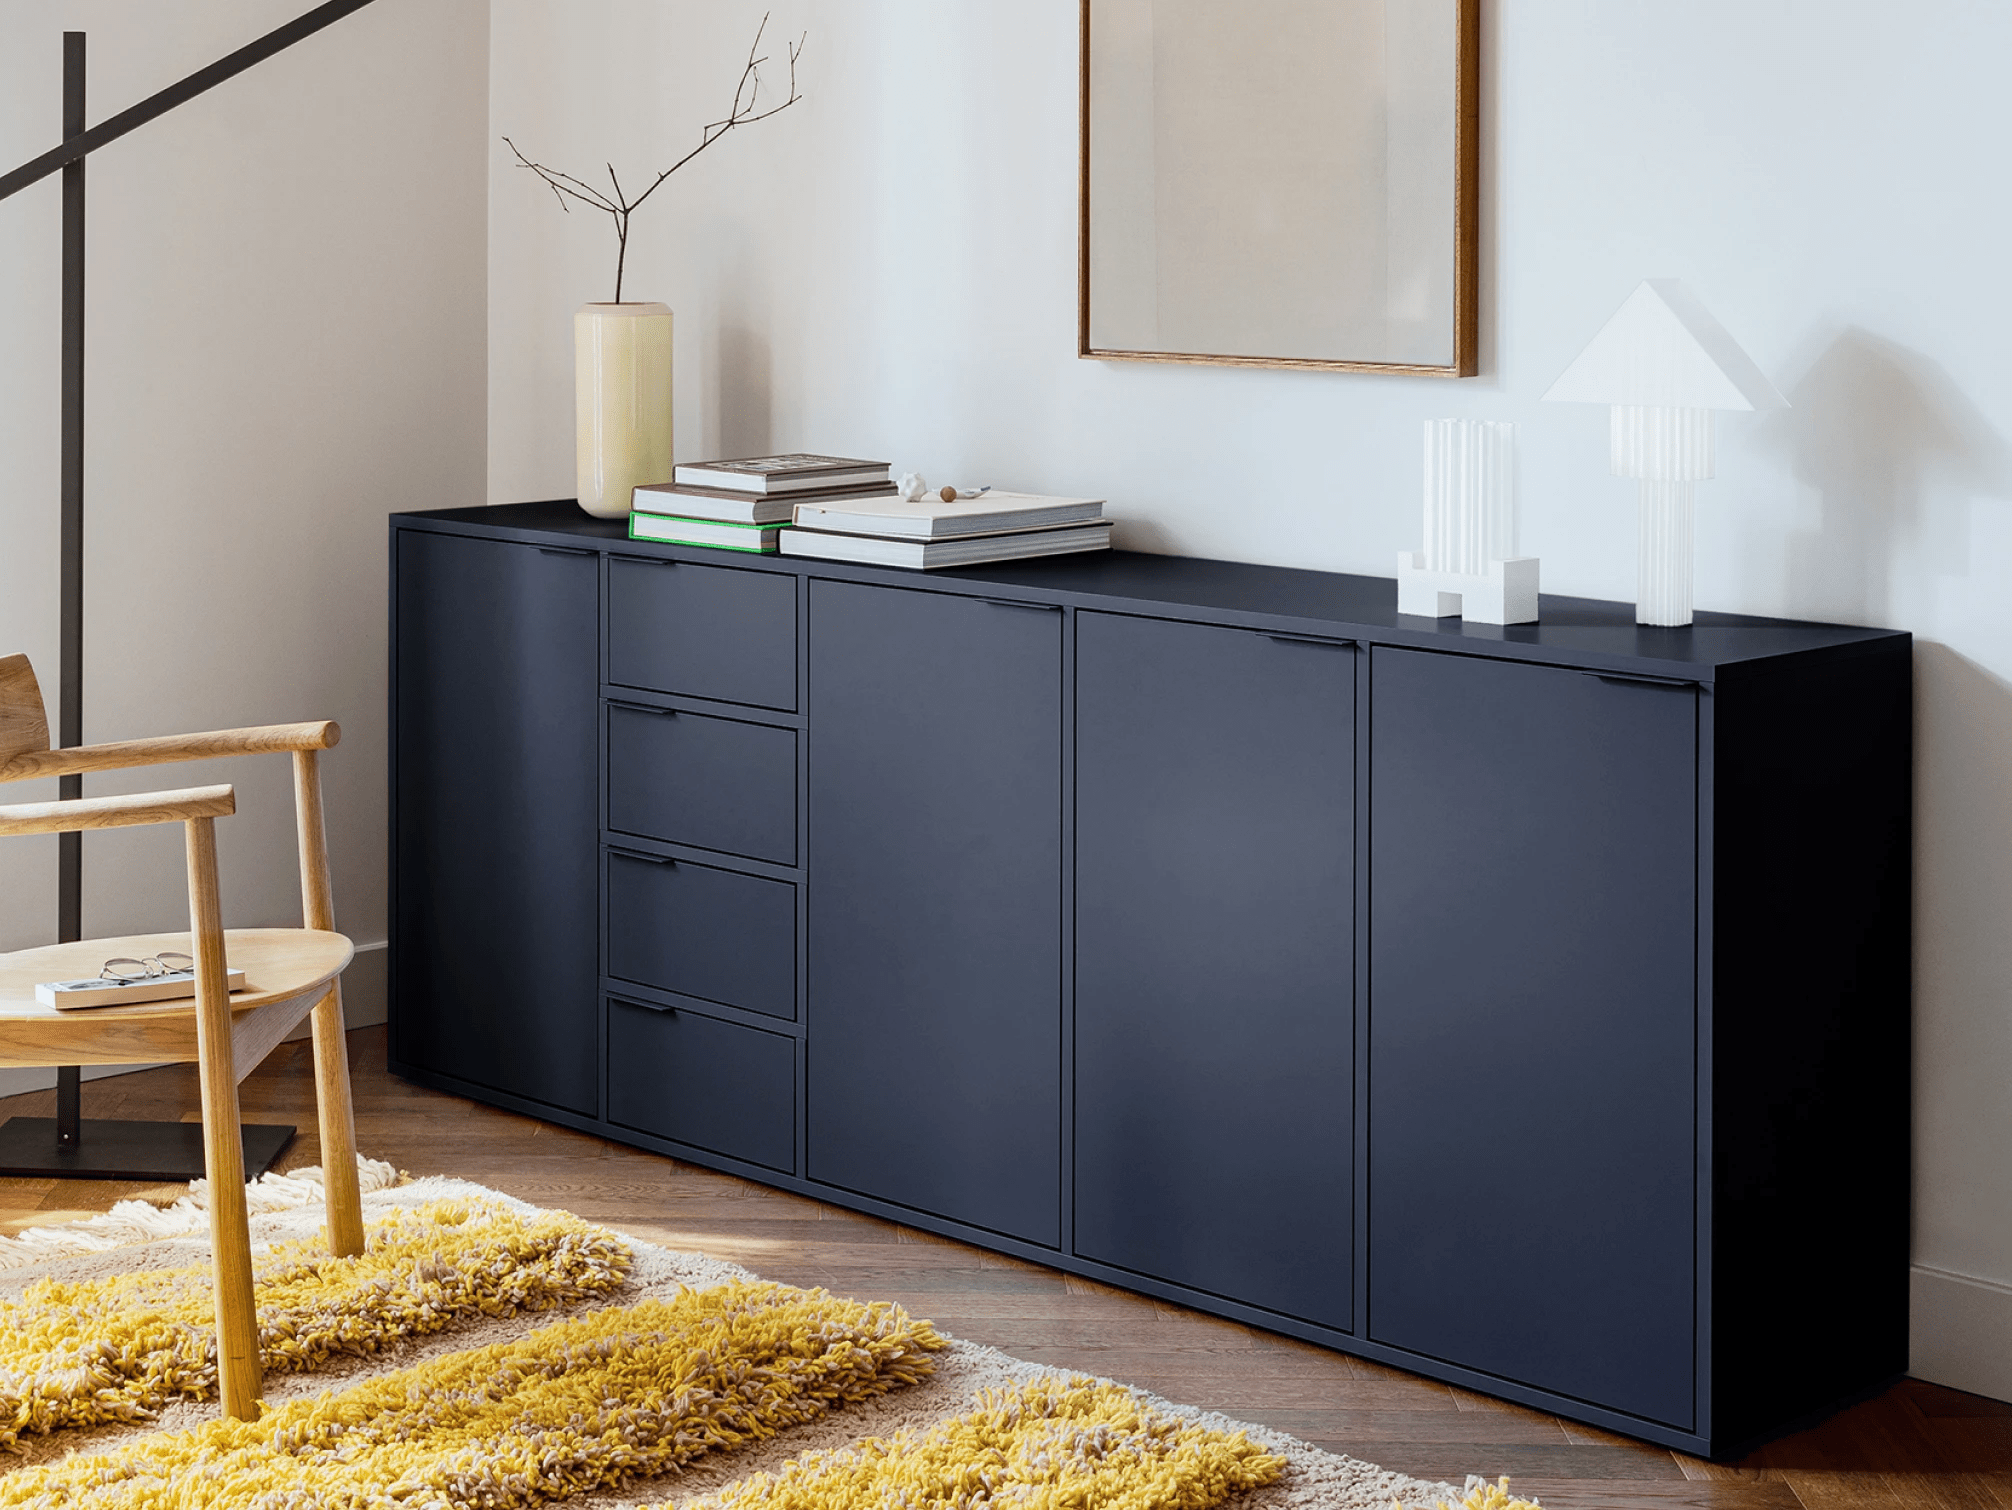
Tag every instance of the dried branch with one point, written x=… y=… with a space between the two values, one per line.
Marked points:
x=746 y=110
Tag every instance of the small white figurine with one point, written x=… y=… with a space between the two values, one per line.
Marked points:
x=912 y=487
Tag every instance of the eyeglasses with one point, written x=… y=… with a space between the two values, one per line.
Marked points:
x=167 y=962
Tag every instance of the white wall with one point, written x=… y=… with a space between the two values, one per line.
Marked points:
x=285 y=343
x=889 y=269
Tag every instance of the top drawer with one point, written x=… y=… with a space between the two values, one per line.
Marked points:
x=718 y=632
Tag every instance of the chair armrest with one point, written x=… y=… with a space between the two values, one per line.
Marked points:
x=265 y=740
x=117 y=812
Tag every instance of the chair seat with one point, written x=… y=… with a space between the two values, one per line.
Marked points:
x=287 y=970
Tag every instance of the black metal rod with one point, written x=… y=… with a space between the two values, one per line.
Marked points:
x=111 y=129
x=70 y=632
x=69 y=1106
x=70 y=637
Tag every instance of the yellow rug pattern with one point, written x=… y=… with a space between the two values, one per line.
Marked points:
x=1054 y=1445
x=595 y=1401
x=118 y=1348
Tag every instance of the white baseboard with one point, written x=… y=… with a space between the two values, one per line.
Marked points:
x=1960 y=1332
x=363 y=1006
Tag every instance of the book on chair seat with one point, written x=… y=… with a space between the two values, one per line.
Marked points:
x=99 y=992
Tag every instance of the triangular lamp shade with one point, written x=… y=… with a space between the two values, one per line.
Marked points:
x=1662 y=349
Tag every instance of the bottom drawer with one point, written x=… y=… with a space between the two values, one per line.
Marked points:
x=698 y=1080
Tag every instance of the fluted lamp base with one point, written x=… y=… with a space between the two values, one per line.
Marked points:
x=1664 y=552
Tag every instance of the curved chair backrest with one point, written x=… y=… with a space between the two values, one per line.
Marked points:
x=24 y=727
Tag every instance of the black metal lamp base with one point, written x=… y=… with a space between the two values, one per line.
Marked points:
x=106 y=1150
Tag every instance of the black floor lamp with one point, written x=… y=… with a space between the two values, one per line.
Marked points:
x=66 y=1144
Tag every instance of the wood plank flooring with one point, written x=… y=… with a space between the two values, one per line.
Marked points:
x=1916 y=1447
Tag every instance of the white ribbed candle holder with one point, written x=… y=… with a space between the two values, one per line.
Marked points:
x=1469 y=566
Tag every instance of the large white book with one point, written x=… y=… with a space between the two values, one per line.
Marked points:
x=931 y=518
x=963 y=550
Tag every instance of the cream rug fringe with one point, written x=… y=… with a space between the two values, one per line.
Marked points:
x=131 y=1222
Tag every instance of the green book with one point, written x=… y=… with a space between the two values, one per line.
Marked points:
x=720 y=534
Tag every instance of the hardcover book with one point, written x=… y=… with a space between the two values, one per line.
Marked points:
x=731 y=507
x=719 y=534
x=930 y=518
x=791 y=472
x=966 y=550
x=99 y=992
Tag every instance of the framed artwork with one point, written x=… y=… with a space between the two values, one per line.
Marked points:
x=1280 y=183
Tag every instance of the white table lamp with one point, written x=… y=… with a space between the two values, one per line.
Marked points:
x=1664 y=364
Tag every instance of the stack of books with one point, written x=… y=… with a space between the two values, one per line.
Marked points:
x=932 y=533
x=744 y=504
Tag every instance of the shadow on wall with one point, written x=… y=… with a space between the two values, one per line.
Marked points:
x=746 y=422
x=1963 y=965
x=1896 y=450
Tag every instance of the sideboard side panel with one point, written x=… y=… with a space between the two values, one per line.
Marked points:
x=1812 y=778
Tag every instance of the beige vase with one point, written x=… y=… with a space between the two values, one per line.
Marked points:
x=622 y=399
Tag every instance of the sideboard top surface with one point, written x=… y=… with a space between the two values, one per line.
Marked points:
x=1579 y=631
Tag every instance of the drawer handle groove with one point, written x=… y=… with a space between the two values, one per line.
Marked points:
x=647 y=1006
x=563 y=550
x=1019 y=603
x=641 y=708
x=636 y=854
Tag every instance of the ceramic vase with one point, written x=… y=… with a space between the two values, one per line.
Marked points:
x=622 y=398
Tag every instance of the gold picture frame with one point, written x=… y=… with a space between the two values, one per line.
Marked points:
x=1456 y=337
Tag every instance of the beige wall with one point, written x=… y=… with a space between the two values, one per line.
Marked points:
x=285 y=343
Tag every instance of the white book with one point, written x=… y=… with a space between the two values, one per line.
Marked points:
x=99 y=992
x=966 y=550
x=931 y=518
x=791 y=472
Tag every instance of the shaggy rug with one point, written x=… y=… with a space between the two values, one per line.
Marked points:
x=487 y=1352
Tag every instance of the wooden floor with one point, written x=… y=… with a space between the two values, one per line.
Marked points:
x=1917 y=1445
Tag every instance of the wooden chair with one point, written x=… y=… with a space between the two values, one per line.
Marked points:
x=288 y=974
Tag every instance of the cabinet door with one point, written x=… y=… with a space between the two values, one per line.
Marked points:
x=1532 y=1025
x=935 y=875
x=495 y=846
x=1214 y=955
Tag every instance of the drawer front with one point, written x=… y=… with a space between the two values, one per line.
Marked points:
x=703 y=631
x=701 y=931
x=713 y=783
x=697 y=1080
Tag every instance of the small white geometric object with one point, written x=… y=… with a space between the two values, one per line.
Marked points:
x=1504 y=593
x=1664 y=364
x=1469 y=566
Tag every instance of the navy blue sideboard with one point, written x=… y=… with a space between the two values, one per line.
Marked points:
x=1526 y=1007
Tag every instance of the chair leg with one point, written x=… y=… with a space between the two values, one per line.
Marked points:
x=238 y=1372
x=338 y=1127
x=331 y=1052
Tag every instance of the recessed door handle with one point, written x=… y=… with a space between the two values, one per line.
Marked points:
x=563 y=550
x=642 y=708
x=1630 y=679
x=636 y=854
x=1022 y=603
x=1308 y=639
